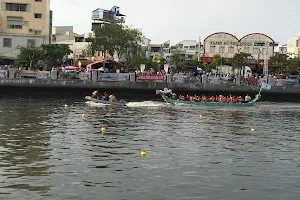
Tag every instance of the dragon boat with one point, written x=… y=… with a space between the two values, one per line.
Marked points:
x=164 y=95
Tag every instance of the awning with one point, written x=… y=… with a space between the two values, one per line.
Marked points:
x=117 y=63
x=90 y=65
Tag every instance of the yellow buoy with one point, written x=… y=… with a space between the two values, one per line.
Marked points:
x=102 y=129
x=66 y=105
x=83 y=114
x=201 y=115
x=252 y=129
x=143 y=153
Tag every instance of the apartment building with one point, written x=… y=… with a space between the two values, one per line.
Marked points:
x=23 y=23
x=188 y=49
x=292 y=47
x=163 y=49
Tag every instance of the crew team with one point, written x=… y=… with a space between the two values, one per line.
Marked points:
x=220 y=98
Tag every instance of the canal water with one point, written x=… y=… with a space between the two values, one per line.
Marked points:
x=51 y=152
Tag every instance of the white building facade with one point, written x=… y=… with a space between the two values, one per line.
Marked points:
x=146 y=44
x=292 y=47
x=188 y=49
x=10 y=44
x=259 y=45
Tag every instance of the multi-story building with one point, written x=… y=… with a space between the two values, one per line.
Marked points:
x=298 y=44
x=188 y=49
x=23 y=23
x=102 y=16
x=146 y=47
x=259 y=45
x=282 y=49
x=292 y=47
x=164 y=50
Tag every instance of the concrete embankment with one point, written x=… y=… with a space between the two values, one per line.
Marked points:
x=145 y=87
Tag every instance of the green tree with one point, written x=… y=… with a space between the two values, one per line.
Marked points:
x=137 y=60
x=208 y=67
x=293 y=67
x=114 y=37
x=218 y=60
x=28 y=57
x=54 y=54
x=239 y=60
x=279 y=63
x=175 y=58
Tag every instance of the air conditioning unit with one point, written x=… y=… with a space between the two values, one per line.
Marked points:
x=25 y=22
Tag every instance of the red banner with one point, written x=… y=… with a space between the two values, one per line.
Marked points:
x=150 y=77
x=260 y=63
x=206 y=59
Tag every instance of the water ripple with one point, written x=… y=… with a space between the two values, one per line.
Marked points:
x=51 y=152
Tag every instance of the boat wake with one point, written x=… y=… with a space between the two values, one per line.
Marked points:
x=146 y=104
x=130 y=104
x=94 y=104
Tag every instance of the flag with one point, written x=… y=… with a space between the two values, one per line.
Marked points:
x=265 y=86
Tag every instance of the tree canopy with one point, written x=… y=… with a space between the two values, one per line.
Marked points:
x=175 y=58
x=115 y=38
x=51 y=55
x=283 y=64
x=137 y=60
x=239 y=60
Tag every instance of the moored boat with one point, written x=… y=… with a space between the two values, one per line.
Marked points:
x=164 y=95
x=118 y=103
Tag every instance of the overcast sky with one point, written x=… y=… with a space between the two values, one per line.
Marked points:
x=177 y=20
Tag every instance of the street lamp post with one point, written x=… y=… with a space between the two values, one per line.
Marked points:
x=266 y=67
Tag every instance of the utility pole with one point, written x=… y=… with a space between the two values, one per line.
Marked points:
x=265 y=70
x=199 y=49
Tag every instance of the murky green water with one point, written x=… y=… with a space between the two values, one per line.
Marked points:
x=51 y=152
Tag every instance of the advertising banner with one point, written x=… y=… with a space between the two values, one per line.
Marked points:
x=34 y=74
x=166 y=67
x=142 y=68
x=180 y=78
x=150 y=77
x=43 y=75
x=84 y=76
x=3 y=73
x=113 y=76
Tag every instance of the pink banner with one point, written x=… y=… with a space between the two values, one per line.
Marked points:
x=150 y=77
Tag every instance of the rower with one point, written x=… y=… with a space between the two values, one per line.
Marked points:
x=105 y=96
x=95 y=94
x=247 y=98
x=112 y=97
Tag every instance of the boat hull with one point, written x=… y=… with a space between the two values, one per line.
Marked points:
x=211 y=104
x=118 y=103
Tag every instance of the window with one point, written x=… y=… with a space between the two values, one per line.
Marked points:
x=6 y=42
x=246 y=49
x=14 y=22
x=16 y=7
x=37 y=32
x=192 y=47
x=38 y=15
x=230 y=50
x=186 y=47
x=31 y=43
x=221 y=49
x=39 y=0
x=14 y=26
x=212 y=49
